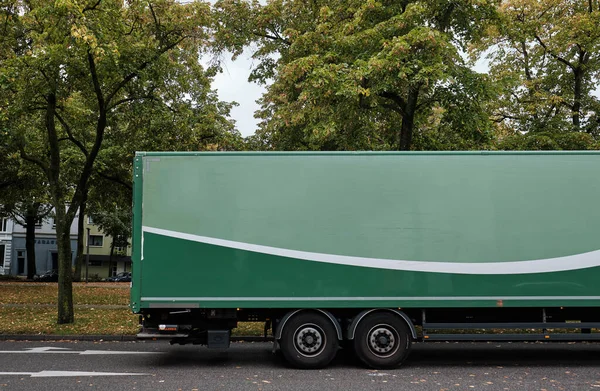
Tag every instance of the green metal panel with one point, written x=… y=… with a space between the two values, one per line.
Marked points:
x=137 y=236
x=366 y=229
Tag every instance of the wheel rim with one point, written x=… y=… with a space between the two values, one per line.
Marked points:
x=383 y=340
x=309 y=340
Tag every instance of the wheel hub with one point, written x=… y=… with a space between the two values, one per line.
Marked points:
x=309 y=340
x=382 y=340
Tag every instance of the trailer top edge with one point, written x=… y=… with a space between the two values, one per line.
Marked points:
x=366 y=153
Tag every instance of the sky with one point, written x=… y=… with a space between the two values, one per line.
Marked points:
x=232 y=85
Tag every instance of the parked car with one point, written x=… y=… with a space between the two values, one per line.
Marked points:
x=121 y=277
x=49 y=276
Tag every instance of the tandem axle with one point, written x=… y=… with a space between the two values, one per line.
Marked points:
x=381 y=337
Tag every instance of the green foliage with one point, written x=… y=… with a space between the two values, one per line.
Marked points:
x=350 y=75
x=85 y=83
x=116 y=223
x=546 y=141
x=545 y=57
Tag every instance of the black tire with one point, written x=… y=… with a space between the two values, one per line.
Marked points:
x=309 y=340
x=382 y=340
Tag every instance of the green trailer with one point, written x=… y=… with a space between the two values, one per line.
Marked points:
x=372 y=250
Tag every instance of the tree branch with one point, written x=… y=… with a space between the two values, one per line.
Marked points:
x=125 y=100
x=141 y=67
x=501 y=117
x=132 y=28
x=397 y=99
x=549 y=112
x=93 y=7
x=392 y=107
x=95 y=81
x=33 y=160
x=276 y=37
x=67 y=129
x=570 y=107
x=45 y=76
x=425 y=102
x=82 y=184
x=45 y=213
x=156 y=22
x=116 y=180
x=526 y=61
x=560 y=59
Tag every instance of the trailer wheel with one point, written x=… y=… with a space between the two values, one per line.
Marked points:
x=382 y=340
x=309 y=340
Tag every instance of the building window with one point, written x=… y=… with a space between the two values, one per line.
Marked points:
x=90 y=220
x=2 y=249
x=4 y=224
x=38 y=223
x=20 y=262
x=96 y=240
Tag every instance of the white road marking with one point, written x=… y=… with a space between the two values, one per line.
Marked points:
x=69 y=374
x=54 y=350
x=46 y=348
x=98 y=352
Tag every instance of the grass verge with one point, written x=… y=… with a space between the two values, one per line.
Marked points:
x=47 y=293
x=30 y=308
x=88 y=321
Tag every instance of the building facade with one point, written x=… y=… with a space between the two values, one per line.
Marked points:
x=46 y=249
x=101 y=264
x=13 y=252
x=6 y=230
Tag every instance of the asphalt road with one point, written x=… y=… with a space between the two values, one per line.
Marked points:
x=252 y=366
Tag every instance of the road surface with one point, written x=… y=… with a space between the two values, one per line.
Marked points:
x=252 y=366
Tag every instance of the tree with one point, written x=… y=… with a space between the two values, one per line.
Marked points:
x=548 y=141
x=115 y=223
x=29 y=215
x=359 y=74
x=83 y=70
x=23 y=198
x=546 y=57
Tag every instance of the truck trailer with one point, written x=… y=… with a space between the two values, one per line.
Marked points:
x=369 y=251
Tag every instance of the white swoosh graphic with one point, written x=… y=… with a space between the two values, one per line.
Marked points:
x=570 y=262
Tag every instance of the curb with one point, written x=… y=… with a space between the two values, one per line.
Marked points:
x=106 y=338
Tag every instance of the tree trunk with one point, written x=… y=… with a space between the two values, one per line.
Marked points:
x=408 y=120
x=30 y=220
x=110 y=257
x=65 y=270
x=63 y=224
x=577 y=94
x=80 y=257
